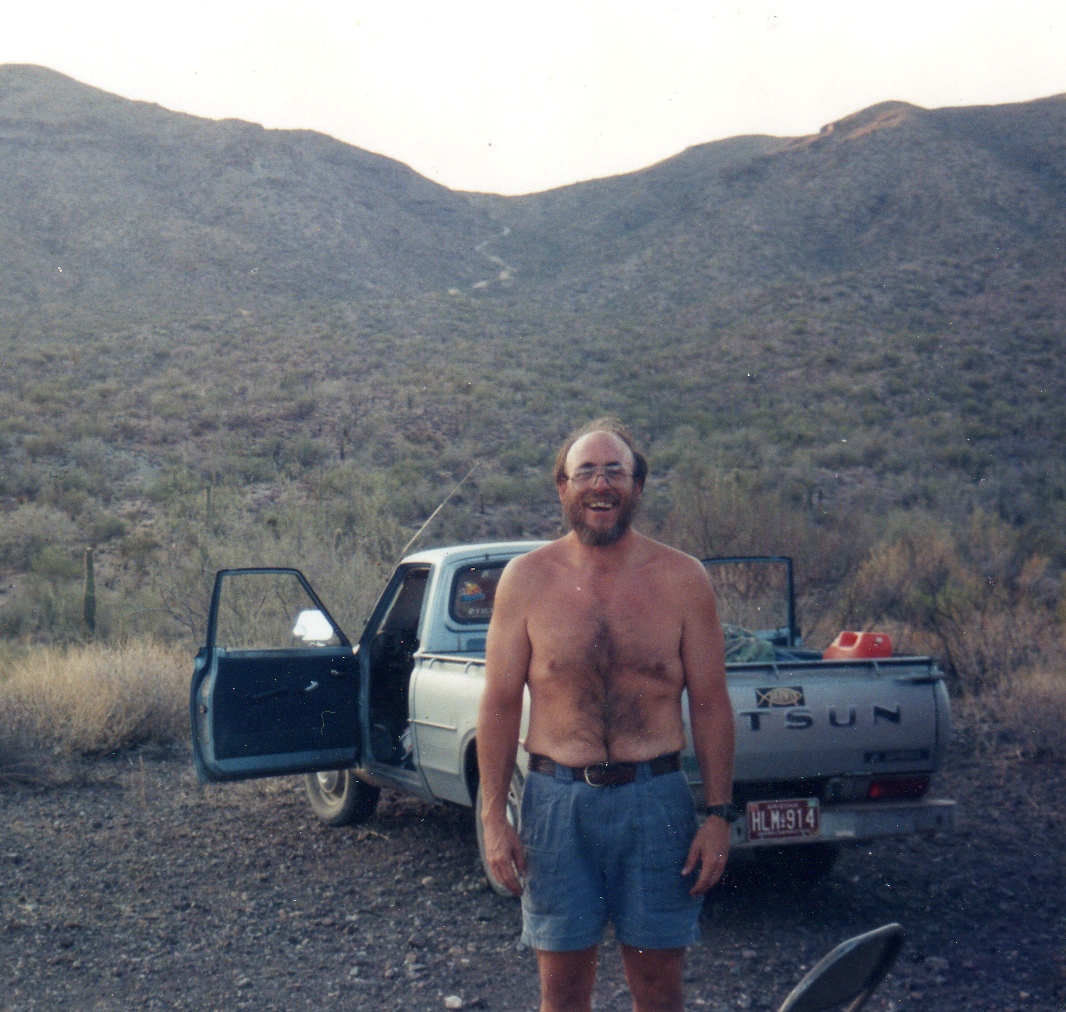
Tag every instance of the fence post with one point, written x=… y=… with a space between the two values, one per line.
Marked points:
x=88 y=604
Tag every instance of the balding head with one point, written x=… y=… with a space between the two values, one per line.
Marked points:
x=614 y=428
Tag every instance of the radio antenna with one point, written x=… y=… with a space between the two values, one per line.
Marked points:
x=429 y=520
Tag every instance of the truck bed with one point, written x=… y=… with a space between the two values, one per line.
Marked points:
x=804 y=728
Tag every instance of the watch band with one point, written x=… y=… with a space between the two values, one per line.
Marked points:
x=729 y=811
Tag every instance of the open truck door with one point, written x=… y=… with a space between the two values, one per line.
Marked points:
x=275 y=688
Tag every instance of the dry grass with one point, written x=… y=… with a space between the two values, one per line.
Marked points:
x=1025 y=719
x=91 y=699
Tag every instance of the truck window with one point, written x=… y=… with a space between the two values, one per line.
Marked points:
x=406 y=608
x=754 y=595
x=269 y=611
x=474 y=592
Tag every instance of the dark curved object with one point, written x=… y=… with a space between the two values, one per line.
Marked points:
x=849 y=975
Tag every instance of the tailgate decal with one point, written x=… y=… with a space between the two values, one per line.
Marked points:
x=779 y=695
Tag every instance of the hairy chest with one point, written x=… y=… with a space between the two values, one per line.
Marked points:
x=605 y=634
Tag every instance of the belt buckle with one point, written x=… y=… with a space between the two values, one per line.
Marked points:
x=603 y=768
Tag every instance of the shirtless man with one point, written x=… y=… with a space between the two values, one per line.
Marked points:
x=606 y=627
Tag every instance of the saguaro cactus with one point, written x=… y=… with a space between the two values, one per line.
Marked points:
x=88 y=606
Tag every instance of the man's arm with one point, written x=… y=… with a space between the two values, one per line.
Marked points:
x=711 y=720
x=507 y=653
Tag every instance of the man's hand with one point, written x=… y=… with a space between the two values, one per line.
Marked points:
x=709 y=850
x=505 y=853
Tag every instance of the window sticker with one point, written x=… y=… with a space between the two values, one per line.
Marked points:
x=469 y=592
x=474 y=592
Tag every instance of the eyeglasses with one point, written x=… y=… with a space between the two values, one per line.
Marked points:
x=586 y=475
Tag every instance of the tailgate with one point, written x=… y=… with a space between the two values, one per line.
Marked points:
x=819 y=719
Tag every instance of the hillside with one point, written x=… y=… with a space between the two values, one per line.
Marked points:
x=106 y=201
x=814 y=334
x=961 y=199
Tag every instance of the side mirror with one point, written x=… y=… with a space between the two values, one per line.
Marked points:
x=313 y=628
x=849 y=974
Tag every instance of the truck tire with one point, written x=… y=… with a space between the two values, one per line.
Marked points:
x=514 y=815
x=340 y=798
x=798 y=867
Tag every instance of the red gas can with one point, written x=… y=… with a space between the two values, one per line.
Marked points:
x=857 y=645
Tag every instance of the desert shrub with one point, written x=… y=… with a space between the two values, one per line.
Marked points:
x=29 y=530
x=46 y=606
x=723 y=515
x=174 y=484
x=520 y=491
x=1024 y=718
x=305 y=453
x=303 y=408
x=92 y=699
x=987 y=605
x=524 y=454
x=106 y=527
x=347 y=566
x=55 y=564
x=715 y=514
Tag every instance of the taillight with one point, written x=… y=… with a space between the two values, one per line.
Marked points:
x=898 y=787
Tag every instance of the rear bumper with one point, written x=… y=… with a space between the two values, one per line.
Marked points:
x=864 y=821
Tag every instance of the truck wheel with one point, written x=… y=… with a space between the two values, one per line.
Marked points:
x=514 y=815
x=340 y=798
x=798 y=867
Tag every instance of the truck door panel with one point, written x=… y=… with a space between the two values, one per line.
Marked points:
x=447 y=694
x=275 y=689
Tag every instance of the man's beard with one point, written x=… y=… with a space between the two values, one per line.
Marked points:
x=574 y=509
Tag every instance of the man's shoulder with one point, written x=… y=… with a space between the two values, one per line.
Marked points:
x=534 y=564
x=538 y=556
x=671 y=559
x=677 y=576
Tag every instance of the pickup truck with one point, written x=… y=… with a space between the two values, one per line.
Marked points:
x=828 y=752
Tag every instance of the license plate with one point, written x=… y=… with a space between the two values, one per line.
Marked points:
x=782 y=820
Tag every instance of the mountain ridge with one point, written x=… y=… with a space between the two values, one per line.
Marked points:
x=215 y=209
x=882 y=188
x=162 y=208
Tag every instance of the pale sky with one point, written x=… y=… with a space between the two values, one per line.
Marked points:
x=522 y=96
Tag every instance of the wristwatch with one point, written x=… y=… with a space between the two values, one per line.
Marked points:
x=729 y=811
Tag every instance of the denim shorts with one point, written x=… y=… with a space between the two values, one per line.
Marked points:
x=599 y=854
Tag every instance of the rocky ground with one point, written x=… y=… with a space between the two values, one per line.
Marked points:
x=137 y=888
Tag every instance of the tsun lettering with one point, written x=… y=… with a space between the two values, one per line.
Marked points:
x=834 y=720
x=800 y=719
x=755 y=716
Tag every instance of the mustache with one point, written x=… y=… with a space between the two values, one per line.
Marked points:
x=600 y=497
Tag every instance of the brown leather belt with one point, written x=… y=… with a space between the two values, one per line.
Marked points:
x=607 y=774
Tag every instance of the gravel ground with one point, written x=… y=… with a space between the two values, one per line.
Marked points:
x=137 y=888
